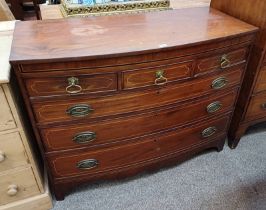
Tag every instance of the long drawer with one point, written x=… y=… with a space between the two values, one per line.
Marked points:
x=84 y=109
x=257 y=107
x=91 y=134
x=12 y=152
x=261 y=81
x=112 y=158
x=17 y=184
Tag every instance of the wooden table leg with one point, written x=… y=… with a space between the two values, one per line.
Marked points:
x=17 y=9
x=37 y=9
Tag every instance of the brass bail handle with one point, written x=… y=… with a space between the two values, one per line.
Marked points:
x=73 y=83
x=225 y=62
x=160 y=79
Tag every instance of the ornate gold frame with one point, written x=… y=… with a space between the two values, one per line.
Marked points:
x=73 y=10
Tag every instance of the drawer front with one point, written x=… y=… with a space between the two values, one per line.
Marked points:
x=163 y=144
x=91 y=134
x=12 y=153
x=257 y=107
x=261 y=82
x=221 y=61
x=6 y=119
x=17 y=185
x=58 y=111
x=156 y=75
x=70 y=85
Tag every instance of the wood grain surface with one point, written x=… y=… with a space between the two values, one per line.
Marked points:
x=112 y=35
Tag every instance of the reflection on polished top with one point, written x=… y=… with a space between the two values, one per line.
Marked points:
x=86 y=38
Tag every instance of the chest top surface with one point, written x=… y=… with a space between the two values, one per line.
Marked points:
x=88 y=38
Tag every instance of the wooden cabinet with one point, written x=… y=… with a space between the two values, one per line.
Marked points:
x=104 y=107
x=251 y=104
x=22 y=183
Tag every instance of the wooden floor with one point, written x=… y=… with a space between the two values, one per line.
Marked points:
x=53 y=11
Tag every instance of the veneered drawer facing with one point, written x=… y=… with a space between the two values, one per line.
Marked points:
x=12 y=153
x=261 y=82
x=73 y=136
x=257 y=107
x=156 y=76
x=122 y=156
x=16 y=185
x=58 y=111
x=74 y=84
x=6 y=119
x=221 y=61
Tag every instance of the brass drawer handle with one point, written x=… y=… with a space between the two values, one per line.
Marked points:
x=73 y=85
x=208 y=132
x=225 y=62
x=12 y=190
x=87 y=164
x=219 y=83
x=160 y=79
x=214 y=107
x=80 y=110
x=263 y=106
x=84 y=137
x=2 y=156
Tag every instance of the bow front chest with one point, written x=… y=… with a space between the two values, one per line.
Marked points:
x=109 y=97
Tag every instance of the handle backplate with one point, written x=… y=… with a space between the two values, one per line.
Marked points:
x=219 y=83
x=214 y=107
x=87 y=164
x=208 y=132
x=84 y=137
x=73 y=85
x=160 y=79
x=79 y=110
x=225 y=62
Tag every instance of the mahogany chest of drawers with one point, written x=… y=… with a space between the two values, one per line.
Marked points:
x=109 y=97
x=251 y=106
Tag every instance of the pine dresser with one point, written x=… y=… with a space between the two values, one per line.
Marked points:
x=21 y=182
x=112 y=96
x=251 y=108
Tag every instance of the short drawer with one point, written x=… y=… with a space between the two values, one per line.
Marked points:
x=156 y=75
x=17 y=185
x=55 y=84
x=12 y=152
x=257 y=107
x=61 y=110
x=261 y=81
x=221 y=61
x=6 y=119
x=91 y=134
x=113 y=158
